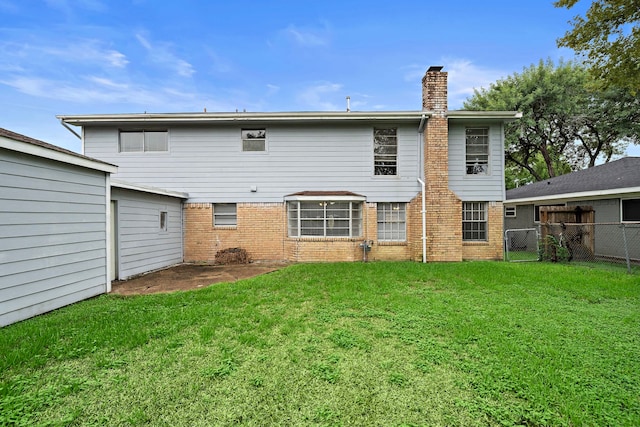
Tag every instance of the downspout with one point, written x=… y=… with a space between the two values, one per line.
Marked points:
x=70 y=130
x=422 y=185
x=424 y=223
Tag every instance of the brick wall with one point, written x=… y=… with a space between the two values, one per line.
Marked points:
x=260 y=230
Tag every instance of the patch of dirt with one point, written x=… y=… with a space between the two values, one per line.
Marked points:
x=189 y=276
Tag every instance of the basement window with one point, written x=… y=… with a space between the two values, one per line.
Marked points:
x=225 y=215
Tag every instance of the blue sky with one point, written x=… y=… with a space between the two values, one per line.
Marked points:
x=111 y=56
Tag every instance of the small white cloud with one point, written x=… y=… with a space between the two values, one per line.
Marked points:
x=307 y=37
x=465 y=76
x=160 y=53
x=317 y=96
x=107 y=82
x=272 y=89
x=116 y=59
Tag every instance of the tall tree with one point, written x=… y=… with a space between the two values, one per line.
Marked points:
x=609 y=40
x=566 y=124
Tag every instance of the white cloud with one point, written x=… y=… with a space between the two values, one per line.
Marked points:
x=272 y=89
x=307 y=37
x=160 y=53
x=317 y=96
x=463 y=77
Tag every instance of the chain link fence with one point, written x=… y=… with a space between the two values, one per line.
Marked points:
x=604 y=243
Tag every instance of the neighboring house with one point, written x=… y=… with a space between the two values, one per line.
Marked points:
x=321 y=186
x=611 y=190
x=53 y=227
x=67 y=230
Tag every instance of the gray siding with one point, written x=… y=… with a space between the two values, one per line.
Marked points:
x=476 y=187
x=207 y=162
x=52 y=235
x=524 y=218
x=142 y=245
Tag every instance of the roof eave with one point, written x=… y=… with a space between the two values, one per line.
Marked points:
x=577 y=195
x=166 y=118
x=484 y=115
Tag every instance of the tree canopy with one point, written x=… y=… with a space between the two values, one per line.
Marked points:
x=609 y=40
x=567 y=124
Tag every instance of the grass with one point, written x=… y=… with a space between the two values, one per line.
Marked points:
x=393 y=344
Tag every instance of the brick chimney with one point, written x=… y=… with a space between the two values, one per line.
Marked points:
x=444 y=208
x=434 y=91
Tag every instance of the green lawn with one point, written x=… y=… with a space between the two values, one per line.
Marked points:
x=388 y=344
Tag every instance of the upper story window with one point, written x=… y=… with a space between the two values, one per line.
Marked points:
x=385 y=151
x=324 y=218
x=143 y=141
x=477 y=151
x=254 y=139
x=631 y=210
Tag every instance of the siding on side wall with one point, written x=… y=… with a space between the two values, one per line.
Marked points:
x=142 y=245
x=476 y=187
x=207 y=162
x=52 y=235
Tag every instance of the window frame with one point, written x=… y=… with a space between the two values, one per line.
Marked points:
x=233 y=216
x=508 y=209
x=164 y=221
x=379 y=165
x=392 y=213
x=296 y=227
x=244 y=139
x=144 y=141
x=622 y=210
x=474 y=168
x=481 y=233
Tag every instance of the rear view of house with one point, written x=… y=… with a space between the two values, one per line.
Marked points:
x=321 y=186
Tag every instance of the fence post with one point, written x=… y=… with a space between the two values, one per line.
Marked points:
x=626 y=248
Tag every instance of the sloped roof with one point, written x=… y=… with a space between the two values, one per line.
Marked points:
x=50 y=148
x=619 y=174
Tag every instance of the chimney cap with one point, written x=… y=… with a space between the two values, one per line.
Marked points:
x=435 y=69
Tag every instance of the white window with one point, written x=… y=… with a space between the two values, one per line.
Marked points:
x=477 y=151
x=631 y=210
x=225 y=215
x=254 y=140
x=164 y=219
x=324 y=218
x=385 y=151
x=510 y=211
x=474 y=221
x=392 y=222
x=143 y=141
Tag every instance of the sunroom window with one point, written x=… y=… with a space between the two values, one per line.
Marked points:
x=325 y=218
